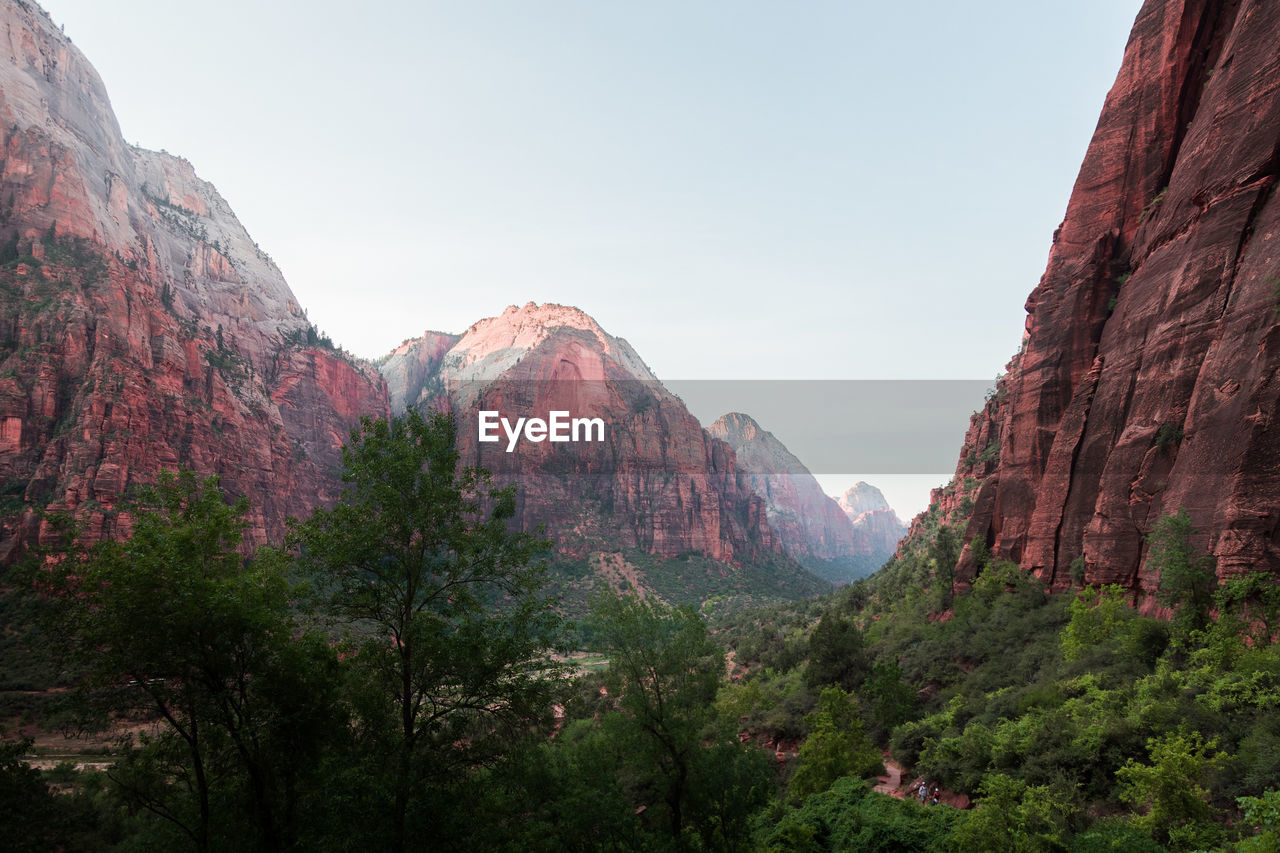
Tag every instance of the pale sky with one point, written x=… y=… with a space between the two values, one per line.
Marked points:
x=746 y=190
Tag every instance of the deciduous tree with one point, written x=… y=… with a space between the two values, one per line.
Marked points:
x=175 y=624
x=440 y=601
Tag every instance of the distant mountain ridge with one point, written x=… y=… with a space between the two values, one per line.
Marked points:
x=875 y=524
x=819 y=532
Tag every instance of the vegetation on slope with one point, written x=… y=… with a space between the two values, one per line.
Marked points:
x=404 y=659
x=1073 y=722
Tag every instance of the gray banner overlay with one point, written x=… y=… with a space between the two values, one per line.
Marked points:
x=865 y=427
x=862 y=426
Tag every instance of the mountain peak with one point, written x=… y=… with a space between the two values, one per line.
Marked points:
x=813 y=528
x=529 y=324
x=491 y=346
x=863 y=497
x=738 y=426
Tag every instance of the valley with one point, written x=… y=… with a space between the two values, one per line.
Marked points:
x=501 y=589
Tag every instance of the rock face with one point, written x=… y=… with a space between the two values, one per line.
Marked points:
x=656 y=481
x=140 y=326
x=1148 y=378
x=876 y=527
x=412 y=370
x=814 y=529
x=862 y=498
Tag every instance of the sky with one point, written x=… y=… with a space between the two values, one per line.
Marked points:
x=742 y=190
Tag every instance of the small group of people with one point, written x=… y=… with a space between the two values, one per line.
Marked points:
x=925 y=793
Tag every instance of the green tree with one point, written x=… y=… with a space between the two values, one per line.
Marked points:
x=849 y=816
x=175 y=624
x=1254 y=600
x=1096 y=616
x=565 y=795
x=1187 y=579
x=944 y=553
x=9 y=251
x=1112 y=835
x=665 y=671
x=1264 y=813
x=837 y=653
x=1172 y=790
x=1013 y=816
x=731 y=781
x=450 y=638
x=892 y=699
x=1000 y=577
x=837 y=746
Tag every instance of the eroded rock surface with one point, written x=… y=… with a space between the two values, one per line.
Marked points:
x=1148 y=379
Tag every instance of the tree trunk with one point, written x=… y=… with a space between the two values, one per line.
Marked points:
x=408 y=725
x=202 y=788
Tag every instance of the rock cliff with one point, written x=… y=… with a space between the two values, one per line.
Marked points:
x=656 y=481
x=876 y=527
x=862 y=498
x=140 y=325
x=821 y=534
x=1148 y=382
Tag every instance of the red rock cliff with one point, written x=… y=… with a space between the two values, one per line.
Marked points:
x=140 y=326
x=1148 y=378
x=657 y=481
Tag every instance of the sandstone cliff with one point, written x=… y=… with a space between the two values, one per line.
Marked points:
x=140 y=325
x=813 y=528
x=656 y=482
x=412 y=370
x=876 y=527
x=1148 y=378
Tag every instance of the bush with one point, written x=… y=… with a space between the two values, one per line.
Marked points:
x=837 y=746
x=850 y=817
x=1171 y=791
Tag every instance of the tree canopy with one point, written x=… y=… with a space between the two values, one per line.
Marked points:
x=438 y=602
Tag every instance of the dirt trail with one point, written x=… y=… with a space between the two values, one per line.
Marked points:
x=893 y=784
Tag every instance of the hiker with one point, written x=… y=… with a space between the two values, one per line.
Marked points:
x=935 y=796
x=924 y=792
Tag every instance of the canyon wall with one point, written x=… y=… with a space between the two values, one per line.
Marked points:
x=1147 y=383
x=140 y=325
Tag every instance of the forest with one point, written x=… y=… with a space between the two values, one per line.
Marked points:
x=396 y=676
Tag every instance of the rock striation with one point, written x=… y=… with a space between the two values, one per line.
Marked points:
x=140 y=325
x=1148 y=381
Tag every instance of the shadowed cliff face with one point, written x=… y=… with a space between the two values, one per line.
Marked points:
x=1147 y=381
x=657 y=481
x=140 y=326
